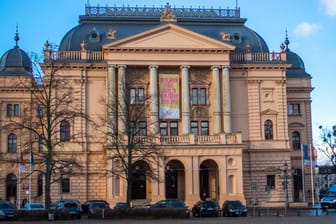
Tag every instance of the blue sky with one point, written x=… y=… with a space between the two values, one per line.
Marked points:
x=311 y=26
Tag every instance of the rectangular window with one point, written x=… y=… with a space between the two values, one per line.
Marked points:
x=194 y=127
x=132 y=128
x=9 y=110
x=65 y=185
x=163 y=128
x=270 y=181
x=294 y=109
x=141 y=96
x=16 y=110
x=173 y=128
x=198 y=96
x=194 y=95
x=142 y=128
x=13 y=110
x=204 y=128
x=137 y=96
x=40 y=110
x=132 y=96
x=203 y=96
x=40 y=144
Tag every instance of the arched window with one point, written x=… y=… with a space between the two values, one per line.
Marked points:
x=11 y=182
x=268 y=128
x=12 y=144
x=296 y=141
x=40 y=184
x=65 y=131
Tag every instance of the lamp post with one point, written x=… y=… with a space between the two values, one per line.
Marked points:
x=285 y=175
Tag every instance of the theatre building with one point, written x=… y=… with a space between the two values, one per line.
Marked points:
x=228 y=113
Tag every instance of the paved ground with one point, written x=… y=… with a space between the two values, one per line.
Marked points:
x=219 y=220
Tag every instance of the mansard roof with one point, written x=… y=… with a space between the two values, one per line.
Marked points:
x=104 y=25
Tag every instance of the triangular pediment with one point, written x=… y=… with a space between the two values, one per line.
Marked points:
x=170 y=36
x=269 y=112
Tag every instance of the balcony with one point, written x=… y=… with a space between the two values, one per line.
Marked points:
x=190 y=139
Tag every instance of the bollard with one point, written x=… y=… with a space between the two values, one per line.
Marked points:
x=277 y=213
x=316 y=211
x=299 y=213
x=327 y=211
x=259 y=214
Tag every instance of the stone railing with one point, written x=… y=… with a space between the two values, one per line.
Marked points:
x=128 y=11
x=73 y=55
x=235 y=58
x=258 y=57
x=190 y=139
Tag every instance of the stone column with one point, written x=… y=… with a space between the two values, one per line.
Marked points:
x=154 y=105
x=111 y=98
x=226 y=99
x=122 y=99
x=185 y=99
x=217 y=121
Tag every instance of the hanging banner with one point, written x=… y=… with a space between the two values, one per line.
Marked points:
x=169 y=96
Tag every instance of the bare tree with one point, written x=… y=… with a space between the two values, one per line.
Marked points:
x=328 y=137
x=130 y=134
x=45 y=123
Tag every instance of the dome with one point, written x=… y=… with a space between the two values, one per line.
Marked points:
x=94 y=28
x=297 y=68
x=15 y=61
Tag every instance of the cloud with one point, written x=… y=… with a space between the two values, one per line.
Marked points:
x=329 y=6
x=305 y=29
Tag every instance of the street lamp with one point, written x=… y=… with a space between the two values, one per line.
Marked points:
x=284 y=174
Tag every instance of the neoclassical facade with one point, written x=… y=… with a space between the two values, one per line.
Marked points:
x=229 y=113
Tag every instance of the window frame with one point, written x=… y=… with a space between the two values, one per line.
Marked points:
x=65 y=185
x=294 y=109
x=296 y=140
x=270 y=181
x=65 y=131
x=199 y=96
x=137 y=95
x=268 y=129
x=12 y=143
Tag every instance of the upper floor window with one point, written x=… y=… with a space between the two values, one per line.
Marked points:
x=270 y=181
x=296 y=142
x=268 y=129
x=198 y=96
x=13 y=110
x=40 y=143
x=40 y=184
x=139 y=128
x=200 y=128
x=168 y=128
x=11 y=143
x=137 y=95
x=65 y=131
x=65 y=185
x=40 y=110
x=294 y=109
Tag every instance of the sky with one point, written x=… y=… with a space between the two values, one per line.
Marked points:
x=310 y=24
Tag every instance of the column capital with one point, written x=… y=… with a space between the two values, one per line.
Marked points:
x=122 y=66
x=184 y=67
x=150 y=67
x=215 y=67
x=111 y=66
x=225 y=67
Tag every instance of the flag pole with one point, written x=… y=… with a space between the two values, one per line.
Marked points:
x=30 y=176
x=303 y=174
x=20 y=187
x=311 y=174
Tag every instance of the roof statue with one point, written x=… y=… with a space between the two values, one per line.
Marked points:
x=168 y=15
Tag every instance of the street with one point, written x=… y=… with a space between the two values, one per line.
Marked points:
x=210 y=220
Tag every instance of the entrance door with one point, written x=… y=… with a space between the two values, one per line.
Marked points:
x=138 y=182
